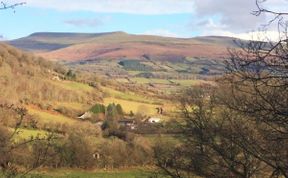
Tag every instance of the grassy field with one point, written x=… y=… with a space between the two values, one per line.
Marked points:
x=187 y=83
x=27 y=134
x=72 y=105
x=122 y=80
x=135 y=107
x=130 y=96
x=70 y=85
x=147 y=80
x=136 y=103
x=155 y=138
x=168 y=82
x=47 y=117
x=133 y=173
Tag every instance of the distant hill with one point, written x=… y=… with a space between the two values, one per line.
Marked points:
x=118 y=45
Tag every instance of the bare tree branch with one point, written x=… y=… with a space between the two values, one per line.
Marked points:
x=5 y=6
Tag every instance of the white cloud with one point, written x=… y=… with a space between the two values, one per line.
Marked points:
x=211 y=28
x=162 y=32
x=84 y=22
x=235 y=15
x=234 y=18
x=119 y=6
x=260 y=36
x=257 y=35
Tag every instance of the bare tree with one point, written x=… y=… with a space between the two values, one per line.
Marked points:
x=257 y=78
x=9 y=146
x=5 y=5
x=242 y=130
x=210 y=146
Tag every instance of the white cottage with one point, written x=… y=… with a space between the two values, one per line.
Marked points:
x=154 y=120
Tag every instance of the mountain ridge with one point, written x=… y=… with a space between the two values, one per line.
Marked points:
x=115 y=45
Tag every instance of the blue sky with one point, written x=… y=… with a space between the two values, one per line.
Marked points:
x=176 y=18
x=27 y=20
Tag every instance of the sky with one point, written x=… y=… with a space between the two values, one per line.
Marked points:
x=173 y=18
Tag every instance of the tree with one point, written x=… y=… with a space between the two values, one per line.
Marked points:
x=257 y=79
x=210 y=145
x=5 y=6
x=98 y=108
x=240 y=130
x=119 y=109
x=114 y=111
x=70 y=75
x=9 y=147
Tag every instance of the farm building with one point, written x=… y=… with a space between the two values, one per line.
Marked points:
x=154 y=120
x=86 y=115
x=127 y=123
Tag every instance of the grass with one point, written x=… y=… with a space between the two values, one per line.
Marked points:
x=122 y=80
x=189 y=82
x=70 y=85
x=72 y=105
x=47 y=117
x=140 y=80
x=27 y=134
x=134 y=72
x=167 y=82
x=133 y=173
x=181 y=82
x=127 y=96
x=136 y=107
x=154 y=138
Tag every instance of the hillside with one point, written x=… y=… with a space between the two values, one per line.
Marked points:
x=116 y=45
x=31 y=79
x=122 y=55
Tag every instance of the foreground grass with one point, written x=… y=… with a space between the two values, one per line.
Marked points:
x=133 y=173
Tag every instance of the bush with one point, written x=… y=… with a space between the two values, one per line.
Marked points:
x=117 y=153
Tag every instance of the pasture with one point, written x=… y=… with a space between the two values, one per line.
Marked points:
x=49 y=116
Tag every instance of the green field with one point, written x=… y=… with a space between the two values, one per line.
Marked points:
x=147 y=80
x=48 y=117
x=135 y=107
x=130 y=96
x=168 y=82
x=72 y=105
x=70 y=85
x=27 y=134
x=133 y=173
x=155 y=138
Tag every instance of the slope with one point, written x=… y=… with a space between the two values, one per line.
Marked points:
x=116 y=45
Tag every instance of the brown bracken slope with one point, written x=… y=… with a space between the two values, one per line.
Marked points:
x=119 y=45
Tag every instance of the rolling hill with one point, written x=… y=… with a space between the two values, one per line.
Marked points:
x=156 y=56
x=29 y=79
x=116 y=45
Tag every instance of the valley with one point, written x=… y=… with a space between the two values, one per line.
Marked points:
x=59 y=96
x=123 y=102
x=157 y=62
x=144 y=89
